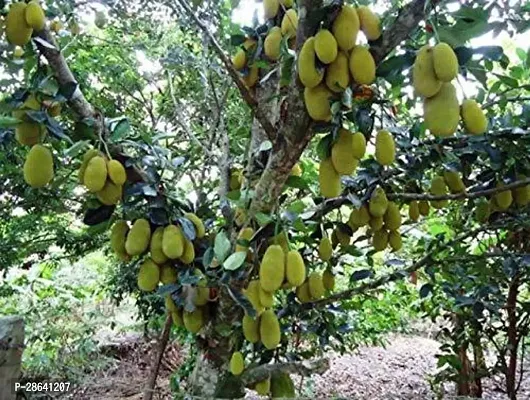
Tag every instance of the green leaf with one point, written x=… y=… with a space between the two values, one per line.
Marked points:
x=235 y=261
x=7 y=122
x=263 y=219
x=509 y=81
x=297 y=182
x=222 y=246
x=324 y=147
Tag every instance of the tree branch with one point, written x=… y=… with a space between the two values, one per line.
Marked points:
x=164 y=338
x=304 y=368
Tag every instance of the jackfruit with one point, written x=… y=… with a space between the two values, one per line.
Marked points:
x=359 y=145
x=414 y=210
x=35 y=16
x=316 y=285
x=244 y=234
x=148 y=276
x=385 y=149
x=370 y=24
x=309 y=75
x=176 y=316
x=116 y=172
x=329 y=179
x=454 y=182
x=521 y=195
x=89 y=155
x=56 y=26
x=296 y=170
x=155 y=247
x=110 y=194
x=328 y=280
x=95 y=174
x=270 y=8
x=317 y=102
x=473 y=117
x=168 y=274
x=376 y=223
x=325 y=249
x=118 y=235
x=266 y=299
x=18 y=52
x=445 y=62
x=343 y=237
x=237 y=363
x=239 y=60
x=302 y=293
x=380 y=240
x=392 y=216
x=263 y=387
x=250 y=329
x=503 y=199
x=338 y=74
x=38 y=167
x=240 y=216
x=272 y=268
x=424 y=207
x=173 y=242
x=282 y=386
x=18 y=32
x=394 y=240
x=326 y=47
x=290 y=23
x=362 y=65
x=442 y=112
x=295 y=269
x=193 y=321
x=29 y=133
x=200 y=231
x=170 y=304
x=252 y=294
x=438 y=188
x=342 y=153
x=55 y=110
x=202 y=293
x=269 y=330
x=424 y=78
x=287 y=3
x=378 y=202
x=252 y=77
x=138 y=237
x=272 y=43
x=346 y=27
x=482 y=211
x=359 y=217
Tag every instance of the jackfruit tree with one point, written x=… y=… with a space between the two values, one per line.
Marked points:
x=257 y=186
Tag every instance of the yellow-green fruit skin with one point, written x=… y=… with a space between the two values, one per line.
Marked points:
x=376 y=223
x=282 y=386
x=316 y=285
x=370 y=24
x=385 y=149
x=445 y=62
x=325 y=249
x=329 y=179
x=170 y=304
x=521 y=195
x=244 y=234
x=168 y=274
x=138 y=237
x=473 y=117
x=317 y=102
x=188 y=255
x=302 y=293
x=482 y=211
x=338 y=74
x=342 y=237
x=38 y=167
x=295 y=270
x=269 y=330
x=148 y=276
x=414 y=210
x=252 y=294
x=362 y=65
x=110 y=194
x=359 y=145
x=272 y=43
x=263 y=387
x=442 y=112
x=266 y=299
x=239 y=59
x=18 y=32
x=326 y=46
x=378 y=203
x=95 y=174
x=395 y=241
x=424 y=78
x=173 y=241
x=380 y=240
x=359 y=217
x=28 y=133
x=438 y=188
x=155 y=247
x=252 y=78
x=35 y=16
x=176 y=316
x=392 y=216
x=193 y=321
x=237 y=363
x=346 y=27
x=423 y=206
x=89 y=155
x=454 y=182
x=272 y=268
x=118 y=235
x=270 y=8
x=200 y=230
x=290 y=23
x=309 y=75
x=342 y=153
x=250 y=329
x=503 y=199
x=116 y=172
x=328 y=280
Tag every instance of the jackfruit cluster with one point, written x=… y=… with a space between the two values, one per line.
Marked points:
x=21 y=20
x=503 y=200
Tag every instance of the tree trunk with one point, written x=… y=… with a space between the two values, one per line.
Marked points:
x=11 y=346
x=511 y=303
x=479 y=369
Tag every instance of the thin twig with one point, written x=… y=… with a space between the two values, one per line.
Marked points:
x=164 y=338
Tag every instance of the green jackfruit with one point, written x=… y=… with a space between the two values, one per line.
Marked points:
x=272 y=43
x=414 y=210
x=170 y=304
x=326 y=47
x=290 y=23
x=362 y=65
x=250 y=328
x=282 y=386
x=35 y=16
x=473 y=117
x=424 y=207
x=378 y=202
x=95 y=174
x=317 y=102
x=342 y=153
x=89 y=155
x=252 y=294
x=482 y=211
x=442 y=112
x=376 y=223
x=380 y=240
x=116 y=172
x=346 y=27
x=325 y=249
x=252 y=77
x=269 y=330
x=110 y=194
x=424 y=78
x=338 y=74
x=359 y=145
x=266 y=299
x=392 y=216
x=29 y=133
x=138 y=237
x=454 y=182
x=521 y=195
x=148 y=276
x=272 y=268
x=200 y=231
x=155 y=246
x=173 y=242
x=18 y=32
x=237 y=363
x=394 y=240
x=270 y=8
x=370 y=24
x=193 y=321
x=503 y=199
x=445 y=62
x=202 y=294
x=239 y=60
x=316 y=285
x=438 y=188
x=302 y=293
x=359 y=217
x=244 y=235
x=177 y=318
x=295 y=268
x=328 y=280
x=287 y=3
x=263 y=388
x=118 y=235
x=38 y=167
x=329 y=179
x=385 y=149
x=309 y=75
x=168 y=274
x=282 y=240
x=343 y=237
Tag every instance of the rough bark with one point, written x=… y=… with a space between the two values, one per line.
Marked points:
x=513 y=345
x=11 y=347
